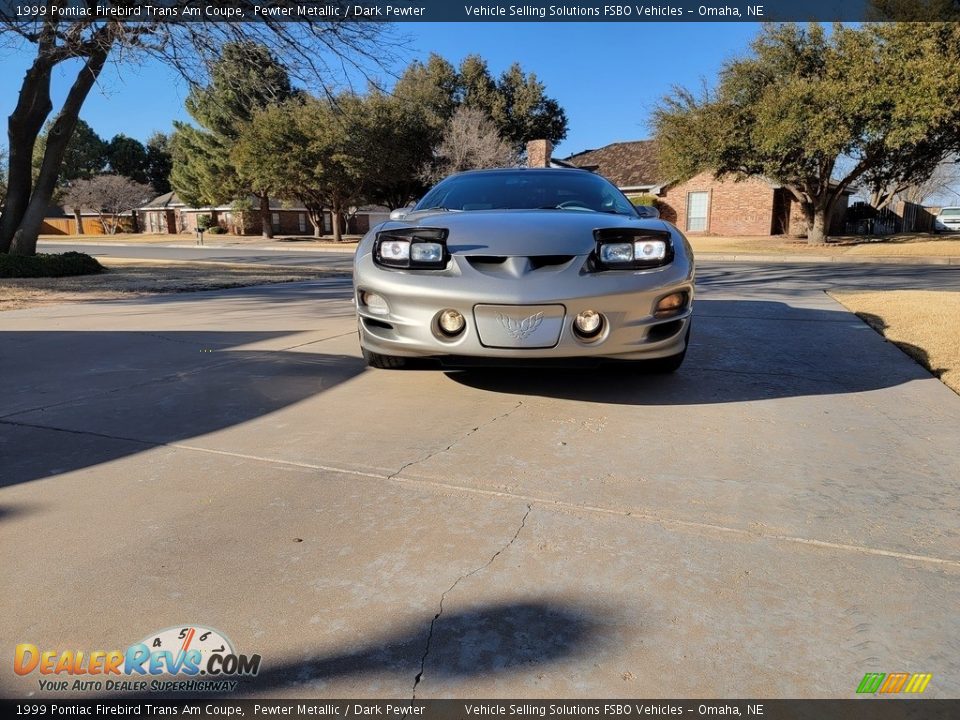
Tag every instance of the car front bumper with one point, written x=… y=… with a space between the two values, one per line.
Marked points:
x=626 y=299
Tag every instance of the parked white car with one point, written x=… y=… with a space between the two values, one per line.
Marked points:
x=947 y=220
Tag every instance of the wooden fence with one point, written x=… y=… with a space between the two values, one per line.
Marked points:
x=901 y=216
x=91 y=226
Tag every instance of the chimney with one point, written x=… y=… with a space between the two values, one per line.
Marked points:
x=538 y=153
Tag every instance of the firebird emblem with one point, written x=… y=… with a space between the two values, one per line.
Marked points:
x=520 y=329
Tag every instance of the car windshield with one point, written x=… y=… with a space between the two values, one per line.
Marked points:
x=527 y=190
x=950 y=212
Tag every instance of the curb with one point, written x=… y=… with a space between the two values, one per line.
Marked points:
x=836 y=259
x=348 y=247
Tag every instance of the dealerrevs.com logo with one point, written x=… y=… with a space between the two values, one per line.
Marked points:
x=190 y=658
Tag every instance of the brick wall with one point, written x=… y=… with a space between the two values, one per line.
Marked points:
x=734 y=208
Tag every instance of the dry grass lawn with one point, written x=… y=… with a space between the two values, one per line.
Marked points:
x=137 y=278
x=925 y=324
x=904 y=245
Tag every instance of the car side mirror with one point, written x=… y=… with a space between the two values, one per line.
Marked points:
x=400 y=213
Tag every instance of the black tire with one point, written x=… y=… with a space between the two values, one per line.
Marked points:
x=384 y=362
x=667 y=365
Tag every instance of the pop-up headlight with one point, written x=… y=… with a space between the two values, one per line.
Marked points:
x=412 y=248
x=626 y=249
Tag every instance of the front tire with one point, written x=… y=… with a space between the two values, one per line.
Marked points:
x=383 y=362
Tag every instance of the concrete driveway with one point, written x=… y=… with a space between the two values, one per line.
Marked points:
x=775 y=520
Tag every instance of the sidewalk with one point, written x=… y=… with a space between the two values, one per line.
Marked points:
x=348 y=245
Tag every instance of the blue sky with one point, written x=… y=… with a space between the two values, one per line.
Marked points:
x=607 y=76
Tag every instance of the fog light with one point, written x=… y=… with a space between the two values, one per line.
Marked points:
x=374 y=303
x=671 y=304
x=588 y=323
x=451 y=322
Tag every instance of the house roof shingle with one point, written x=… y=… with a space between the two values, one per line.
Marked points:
x=625 y=164
x=169 y=199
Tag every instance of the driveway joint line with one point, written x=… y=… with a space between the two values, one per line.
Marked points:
x=644 y=516
x=426 y=650
x=457 y=441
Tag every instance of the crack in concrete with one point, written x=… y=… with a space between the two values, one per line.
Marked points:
x=456 y=442
x=488 y=563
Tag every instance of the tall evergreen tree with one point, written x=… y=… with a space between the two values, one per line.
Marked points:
x=159 y=162
x=245 y=79
x=128 y=157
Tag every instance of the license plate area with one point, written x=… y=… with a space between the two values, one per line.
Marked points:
x=519 y=326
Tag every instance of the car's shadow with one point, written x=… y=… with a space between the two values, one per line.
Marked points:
x=740 y=351
x=483 y=641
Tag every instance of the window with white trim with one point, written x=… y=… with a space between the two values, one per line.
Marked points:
x=302 y=222
x=276 y=220
x=697 y=207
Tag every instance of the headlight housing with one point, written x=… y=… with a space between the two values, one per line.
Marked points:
x=412 y=248
x=628 y=249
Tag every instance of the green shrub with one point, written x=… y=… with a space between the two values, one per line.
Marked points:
x=215 y=230
x=644 y=200
x=204 y=222
x=54 y=265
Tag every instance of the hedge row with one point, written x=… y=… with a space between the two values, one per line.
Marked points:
x=36 y=266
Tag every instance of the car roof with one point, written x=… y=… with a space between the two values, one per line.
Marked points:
x=489 y=171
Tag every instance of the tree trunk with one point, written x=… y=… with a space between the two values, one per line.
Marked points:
x=266 y=218
x=23 y=127
x=817 y=229
x=335 y=221
x=817 y=216
x=316 y=220
x=25 y=236
x=78 y=218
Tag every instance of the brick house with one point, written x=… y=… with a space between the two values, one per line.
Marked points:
x=168 y=214
x=703 y=204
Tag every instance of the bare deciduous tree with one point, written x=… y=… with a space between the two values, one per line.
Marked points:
x=470 y=142
x=110 y=196
x=943 y=182
x=319 y=50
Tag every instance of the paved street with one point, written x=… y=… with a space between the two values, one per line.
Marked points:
x=775 y=520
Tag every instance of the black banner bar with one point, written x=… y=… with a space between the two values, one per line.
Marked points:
x=175 y=11
x=872 y=708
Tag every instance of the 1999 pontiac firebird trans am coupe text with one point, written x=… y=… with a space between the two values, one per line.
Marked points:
x=519 y=265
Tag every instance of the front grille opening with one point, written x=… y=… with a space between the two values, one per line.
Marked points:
x=664 y=330
x=542 y=261
x=486 y=262
x=493 y=262
x=371 y=323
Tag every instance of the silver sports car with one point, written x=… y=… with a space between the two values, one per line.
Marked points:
x=518 y=265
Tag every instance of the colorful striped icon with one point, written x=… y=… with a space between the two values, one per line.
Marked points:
x=893 y=683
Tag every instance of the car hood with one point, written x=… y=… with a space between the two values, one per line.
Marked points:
x=522 y=232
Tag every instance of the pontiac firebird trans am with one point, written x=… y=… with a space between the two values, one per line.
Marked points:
x=519 y=265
